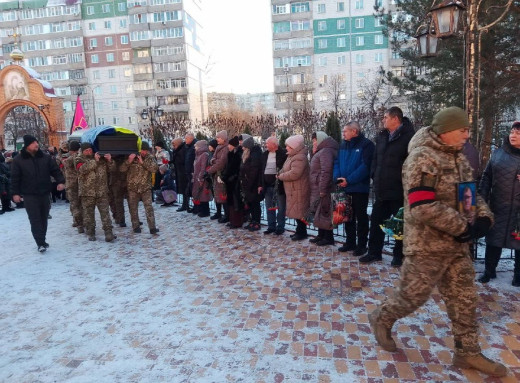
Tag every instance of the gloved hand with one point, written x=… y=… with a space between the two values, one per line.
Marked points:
x=465 y=236
x=481 y=227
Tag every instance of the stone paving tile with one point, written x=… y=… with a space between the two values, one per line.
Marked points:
x=202 y=303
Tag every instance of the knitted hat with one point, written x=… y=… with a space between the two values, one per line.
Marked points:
x=248 y=143
x=319 y=136
x=234 y=141
x=146 y=146
x=222 y=134
x=85 y=146
x=450 y=119
x=244 y=136
x=202 y=145
x=74 y=146
x=295 y=142
x=213 y=143
x=28 y=140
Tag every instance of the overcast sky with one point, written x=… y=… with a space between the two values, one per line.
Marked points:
x=238 y=41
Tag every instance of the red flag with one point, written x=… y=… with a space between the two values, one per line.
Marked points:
x=78 y=122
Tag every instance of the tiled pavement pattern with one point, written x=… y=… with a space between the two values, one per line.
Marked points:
x=202 y=303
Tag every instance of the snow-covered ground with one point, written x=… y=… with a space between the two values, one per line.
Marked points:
x=202 y=303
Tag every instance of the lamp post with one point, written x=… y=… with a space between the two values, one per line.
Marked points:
x=445 y=20
x=153 y=113
x=286 y=70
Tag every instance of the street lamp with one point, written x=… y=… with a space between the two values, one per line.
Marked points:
x=154 y=113
x=445 y=20
x=286 y=70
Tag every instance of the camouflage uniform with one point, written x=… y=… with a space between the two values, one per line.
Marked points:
x=93 y=190
x=139 y=183
x=433 y=257
x=72 y=187
x=117 y=192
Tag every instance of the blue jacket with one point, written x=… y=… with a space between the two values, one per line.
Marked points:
x=353 y=163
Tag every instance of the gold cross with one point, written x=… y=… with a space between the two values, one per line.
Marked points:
x=16 y=37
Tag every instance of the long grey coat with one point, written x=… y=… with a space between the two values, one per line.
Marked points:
x=322 y=164
x=295 y=177
x=501 y=189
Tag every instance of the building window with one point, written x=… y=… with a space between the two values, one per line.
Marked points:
x=321 y=8
x=379 y=3
x=360 y=23
x=396 y=55
x=378 y=39
x=322 y=61
x=341 y=42
x=125 y=56
x=360 y=41
x=105 y=8
x=109 y=41
x=341 y=24
x=127 y=72
x=322 y=25
x=108 y=24
x=90 y=10
x=111 y=73
x=94 y=59
x=378 y=22
x=300 y=7
x=113 y=89
x=124 y=39
x=379 y=57
x=324 y=96
x=122 y=23
x=115 y=120
x=92 y=43
x=341 y=6
x=360 y=59
x=115 y=106
x=92 y=26
x=322 y=44
x=96 y=75
x=359 y=4
x=121 y=7
x=342 y=60
x=110 y=57
x=279 y=9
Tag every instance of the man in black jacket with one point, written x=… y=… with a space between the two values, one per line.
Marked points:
x=31 y=173
x=179 y=165
x=389 y=155
x=272 y=161
x=189 y=159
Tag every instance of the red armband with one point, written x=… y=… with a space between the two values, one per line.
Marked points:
x=420 y=196
x=79 y=165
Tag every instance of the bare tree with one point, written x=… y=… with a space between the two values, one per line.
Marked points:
x=336 y=92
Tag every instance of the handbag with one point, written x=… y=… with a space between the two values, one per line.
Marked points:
x=341 y=207
x=169 y=196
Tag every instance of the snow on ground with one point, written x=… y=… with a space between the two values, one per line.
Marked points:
x=200 y=303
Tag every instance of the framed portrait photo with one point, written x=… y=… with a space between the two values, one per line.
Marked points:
x=467 y=200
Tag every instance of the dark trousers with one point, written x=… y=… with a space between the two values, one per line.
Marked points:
x=37 y=208
x=357 y=228
x=492 y=258
x=256 y=211
x=381 y=211
x=301 y=228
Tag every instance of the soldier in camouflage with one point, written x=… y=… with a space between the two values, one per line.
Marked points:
x=93 y=172
x=436 y=240
x=117 y=192
x=72 y=186
x=139 y=169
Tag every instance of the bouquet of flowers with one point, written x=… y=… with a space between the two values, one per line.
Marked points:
x=394 y=225
x=341 y=207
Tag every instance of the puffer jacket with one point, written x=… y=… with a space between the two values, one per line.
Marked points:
x=295 y=177
x=93 y=176
x=431 y=174
x=139 y=176
x=217 y=165
x=322 y=164
x=501 y=189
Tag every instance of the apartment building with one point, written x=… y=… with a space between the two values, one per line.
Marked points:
x=121 y=55
x=326 y=52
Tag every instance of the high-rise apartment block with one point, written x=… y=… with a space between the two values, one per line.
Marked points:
x=121 y=55
x=326 y=52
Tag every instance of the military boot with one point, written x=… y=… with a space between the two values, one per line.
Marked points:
x=382 y=334
x=91 y=234
x=480 y=363
x=109 y=237
x=81 y=230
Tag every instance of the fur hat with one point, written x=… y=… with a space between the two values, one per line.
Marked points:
x=295 y=142
x=146 y=146
x=450 y=119
x=85 y=146
x=222 y=134
x=243 y=137
x=248 y=143
x=74 y=146
x=319 y=136
x=28 y=140
x=213 y=143
x=234 y=141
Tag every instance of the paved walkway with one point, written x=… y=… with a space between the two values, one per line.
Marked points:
x=202 y=303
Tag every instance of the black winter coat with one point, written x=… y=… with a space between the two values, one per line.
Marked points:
x=501 y=190
x=387 y=163
x=281 y=156
x=189 y=158
x=251 y=175
x=179 y=163
x=32 y=175
x=230 y=176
